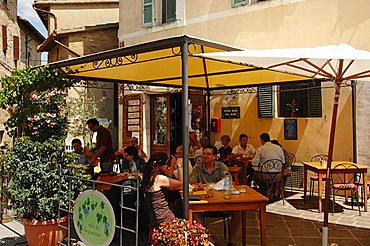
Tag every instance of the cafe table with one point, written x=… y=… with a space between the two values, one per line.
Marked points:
x=235 y=172
x=320 y=169
x=249 y=200
x=242 y=162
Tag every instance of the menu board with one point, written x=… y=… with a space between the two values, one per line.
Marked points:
x=290 y=129
x=133 y=115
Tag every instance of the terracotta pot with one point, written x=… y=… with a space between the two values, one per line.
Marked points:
x=44 y=233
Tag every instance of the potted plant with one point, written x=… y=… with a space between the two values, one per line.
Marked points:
x=180 y=232
x=293 y=108
x=37 y=188
x=37 y=99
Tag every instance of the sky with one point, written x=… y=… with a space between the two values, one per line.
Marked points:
x=25 y=10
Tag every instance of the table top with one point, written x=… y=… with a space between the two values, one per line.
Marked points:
x=247 y=197
x=317 y=165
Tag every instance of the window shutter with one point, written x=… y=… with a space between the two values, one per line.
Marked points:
x=16 y=47
x=5 y=38
x=237 y=3
x=265 y=101
x=169 y=10
x=148 y=11
x=314 y=100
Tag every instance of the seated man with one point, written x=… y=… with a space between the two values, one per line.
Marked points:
x=83 y=158
x=213 y=171
x=242 y=150
x=176 y=161
x=134 y=141
x=132 y=160
x=268 y=151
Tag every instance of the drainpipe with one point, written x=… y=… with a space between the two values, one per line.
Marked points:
x=48 y=13
x=354 y=125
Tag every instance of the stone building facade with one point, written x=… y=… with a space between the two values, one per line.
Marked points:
x=82 y=27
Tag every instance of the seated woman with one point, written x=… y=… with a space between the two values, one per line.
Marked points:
x=154 y=182
x=132 y=160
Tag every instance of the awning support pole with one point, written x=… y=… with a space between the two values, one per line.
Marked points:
x=337 y=83
x=185 y=127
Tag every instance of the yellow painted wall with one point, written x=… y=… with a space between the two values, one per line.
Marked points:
x=269 y=24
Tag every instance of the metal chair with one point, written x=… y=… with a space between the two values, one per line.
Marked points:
x=270 y=175
x=291 y=161
x=338 y=181
x=220 y=214
x=360 y=183
x=315 y=178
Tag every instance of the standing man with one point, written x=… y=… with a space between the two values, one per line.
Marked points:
x=213 y=171
x=104 y=145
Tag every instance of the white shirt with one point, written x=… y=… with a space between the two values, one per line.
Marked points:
x=179 y=162
x=249 y=150
x=268 y=151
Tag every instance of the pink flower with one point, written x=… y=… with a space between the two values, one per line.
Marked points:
x=34 y=97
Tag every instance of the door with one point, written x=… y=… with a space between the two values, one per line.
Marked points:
x=160 y=123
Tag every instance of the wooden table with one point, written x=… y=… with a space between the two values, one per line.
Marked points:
x=105 y=177
x=235 y=172
x=320 y=170
x=250 y=200
x=242 y=162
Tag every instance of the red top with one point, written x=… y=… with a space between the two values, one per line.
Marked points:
x=104 y=138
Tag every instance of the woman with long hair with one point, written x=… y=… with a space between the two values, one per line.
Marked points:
x=153 y=182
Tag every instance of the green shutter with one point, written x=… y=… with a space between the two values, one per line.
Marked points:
x=237 y=3
x=169 y=11
x=265 y=101
x=314 y=100
x=148 y=11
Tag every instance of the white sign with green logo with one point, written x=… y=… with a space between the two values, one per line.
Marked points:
x=94 y=219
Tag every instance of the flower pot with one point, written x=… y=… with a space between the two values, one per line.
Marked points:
x=44 y=233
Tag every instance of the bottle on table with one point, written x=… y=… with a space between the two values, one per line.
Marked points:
x=133 y=167
x=227 y=186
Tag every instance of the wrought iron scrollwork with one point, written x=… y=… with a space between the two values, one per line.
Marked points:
x=246 y=90
x=87 y=84
x=115 y=61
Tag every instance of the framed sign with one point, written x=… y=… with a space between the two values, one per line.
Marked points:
x=290 y=129
x=94 y=218
x=230 y=112
x=133 y=115
x=135 y=102
x=133 y=121
x=133 y=109
x=133 y=128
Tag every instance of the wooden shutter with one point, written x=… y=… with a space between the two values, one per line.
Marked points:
x=237 y=3
x=169 y=10
x=16 y=48
x=148 y=11
x=314 y=100
x=5 y=38
x=265 y=101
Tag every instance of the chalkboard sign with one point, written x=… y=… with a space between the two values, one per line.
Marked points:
x=290 y=129
x=230 y=112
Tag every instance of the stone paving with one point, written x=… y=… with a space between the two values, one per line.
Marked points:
x=294 y=223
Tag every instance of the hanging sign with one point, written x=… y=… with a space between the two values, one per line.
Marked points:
x=290 y=129
x=230 y=112
x=94 y=219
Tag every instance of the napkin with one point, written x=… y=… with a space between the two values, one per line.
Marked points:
x=219 y=185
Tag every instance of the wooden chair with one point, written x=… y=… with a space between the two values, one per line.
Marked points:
x=315 y=178
x=338 y=181
x=270 y=176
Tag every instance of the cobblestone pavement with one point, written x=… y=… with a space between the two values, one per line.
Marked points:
x=294 y=223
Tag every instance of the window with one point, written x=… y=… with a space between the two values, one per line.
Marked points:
x=302 y=99
x=298 y=99
x=237 y=3
x=16 y=48
x=148 y=13
x=4 y=34
x=168 y=11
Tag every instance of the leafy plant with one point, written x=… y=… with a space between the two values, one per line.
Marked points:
x=35 y=101
x=36 y=168
x=180 y=232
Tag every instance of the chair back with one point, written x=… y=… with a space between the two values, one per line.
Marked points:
x=198 y=160
x=291 y=159
x=344 y=175
x=319 y=158
x=271 y=168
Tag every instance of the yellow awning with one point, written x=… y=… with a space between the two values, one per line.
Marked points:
x=159 y=63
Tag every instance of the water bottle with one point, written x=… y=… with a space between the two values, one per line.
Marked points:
x=227 y=186
x=133 y=167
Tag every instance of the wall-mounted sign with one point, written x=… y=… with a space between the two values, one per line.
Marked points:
x=133 y=121
x=133 y=128
x=133 y=102
x=133 y=108
x=133 y=115
x=230 y=112
x=94 y=218
x=290 y=129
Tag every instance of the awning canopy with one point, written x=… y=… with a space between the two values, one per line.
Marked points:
x=158 y=63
